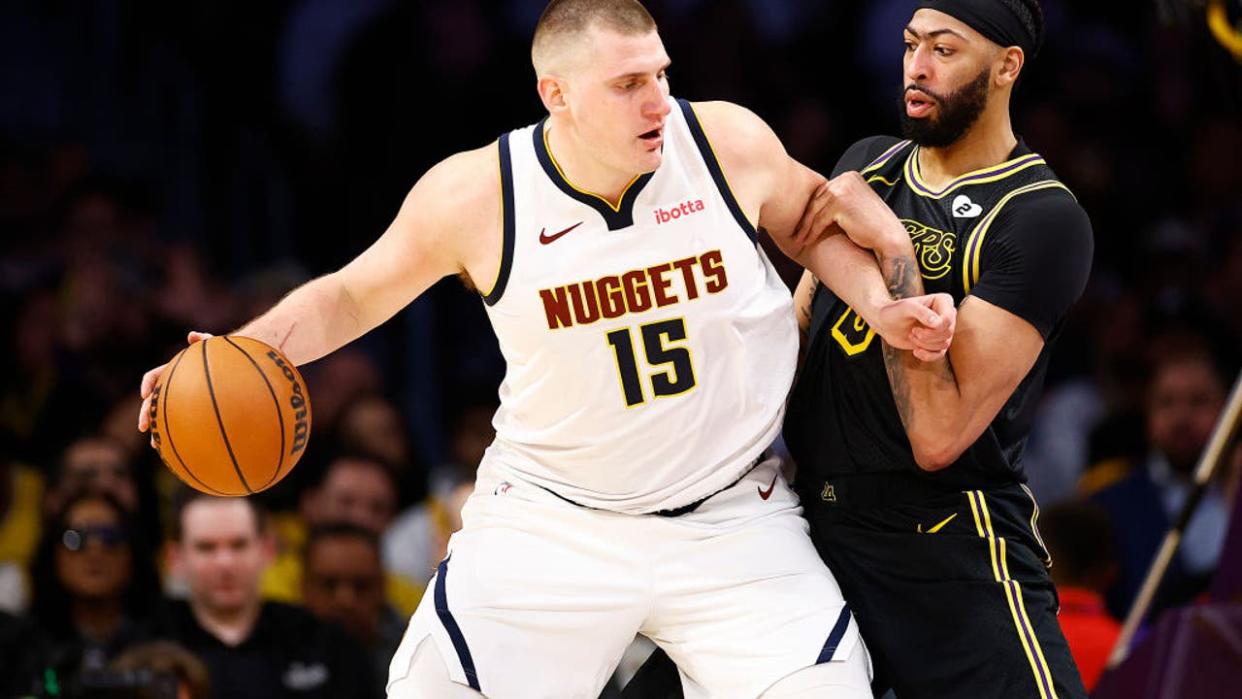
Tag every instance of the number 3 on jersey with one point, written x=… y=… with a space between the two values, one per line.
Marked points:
x=658 y=339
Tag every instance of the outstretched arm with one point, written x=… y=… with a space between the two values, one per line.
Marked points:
x=436 y=233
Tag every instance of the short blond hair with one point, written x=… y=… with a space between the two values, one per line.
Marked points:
x=566 y=19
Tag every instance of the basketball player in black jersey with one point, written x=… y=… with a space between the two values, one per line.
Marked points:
x=912 y=475
x=911 y=472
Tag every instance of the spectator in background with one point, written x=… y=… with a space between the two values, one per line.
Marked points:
x=94 y=586
x=343 y=582
x=97 y=464
x=21 y=491
x=1143 y=498
x=252 y=648
x=1080 y=540
x=21 y=650
x=44 y=402
x=372 y=425
x=354 y=490
x=418 y=537
x=164 y=659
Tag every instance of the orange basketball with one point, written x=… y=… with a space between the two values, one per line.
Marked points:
x=230 y=416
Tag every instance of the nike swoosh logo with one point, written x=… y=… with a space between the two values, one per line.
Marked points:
x=765 y=494
x=937 y=527
x=545 y=238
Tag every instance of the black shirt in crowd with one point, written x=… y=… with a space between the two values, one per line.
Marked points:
x=289 y=653
x=1011 y=235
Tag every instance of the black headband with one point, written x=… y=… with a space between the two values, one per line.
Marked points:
x=998 y=21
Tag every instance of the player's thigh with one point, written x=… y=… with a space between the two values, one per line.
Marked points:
x=750 y=605
x=517 y=613
x=950 y=615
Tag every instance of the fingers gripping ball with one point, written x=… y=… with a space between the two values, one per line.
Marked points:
x=230 y=416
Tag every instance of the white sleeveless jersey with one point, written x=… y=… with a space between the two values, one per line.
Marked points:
x=649 y=347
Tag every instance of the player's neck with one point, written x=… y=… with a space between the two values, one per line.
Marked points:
x=989 y=142
x=229 y=626
x=582 y=171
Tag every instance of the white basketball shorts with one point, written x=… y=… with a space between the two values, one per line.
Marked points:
x=539 y=597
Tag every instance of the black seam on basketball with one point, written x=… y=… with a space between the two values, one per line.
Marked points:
x=220 y=421
x=168 y=429
x=280 y=416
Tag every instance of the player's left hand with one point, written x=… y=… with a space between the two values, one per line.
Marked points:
x=921 y=324
x=849 y=202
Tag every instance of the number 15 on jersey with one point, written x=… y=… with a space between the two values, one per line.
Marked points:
x=664 y=350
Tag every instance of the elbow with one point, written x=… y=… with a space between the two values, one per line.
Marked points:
x=934 y=454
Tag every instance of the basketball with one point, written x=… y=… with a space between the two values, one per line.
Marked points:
x=230 y=416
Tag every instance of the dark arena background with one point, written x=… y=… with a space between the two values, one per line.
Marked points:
x=176 y=166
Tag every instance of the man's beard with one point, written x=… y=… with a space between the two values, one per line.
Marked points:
x=956 y=113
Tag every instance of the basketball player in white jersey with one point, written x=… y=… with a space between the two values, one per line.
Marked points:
x=650 y=347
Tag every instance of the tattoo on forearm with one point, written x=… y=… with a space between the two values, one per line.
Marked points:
x=899 y=383
x=805 y=306
x=901 y=275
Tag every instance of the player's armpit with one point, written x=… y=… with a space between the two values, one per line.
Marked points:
x=945 y=405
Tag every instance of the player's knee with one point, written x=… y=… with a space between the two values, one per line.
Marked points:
x=427 y=676
x=842 y=679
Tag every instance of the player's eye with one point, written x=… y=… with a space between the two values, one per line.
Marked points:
x=909 y=46
x=943 y=51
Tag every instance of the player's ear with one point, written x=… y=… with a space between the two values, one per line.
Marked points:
x=552 y=93
x=1009 y=65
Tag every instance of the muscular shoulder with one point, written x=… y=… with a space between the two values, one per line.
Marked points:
x=740 y=138
x=462 y=190
x=1045 y=217
x=455 y=208
x=862 y=153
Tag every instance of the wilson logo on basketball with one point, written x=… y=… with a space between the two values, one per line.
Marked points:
x=297 y=401
x=230 y=416
x=686 y=208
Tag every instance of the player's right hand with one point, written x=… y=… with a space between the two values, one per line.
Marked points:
x=921 y=324
x=151 y=377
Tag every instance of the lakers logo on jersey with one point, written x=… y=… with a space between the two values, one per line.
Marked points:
x=932 y=247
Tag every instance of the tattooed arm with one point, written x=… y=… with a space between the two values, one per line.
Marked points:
x=946 y=404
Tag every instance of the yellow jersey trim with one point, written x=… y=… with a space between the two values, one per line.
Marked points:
x=616 y=208
x=974 y=243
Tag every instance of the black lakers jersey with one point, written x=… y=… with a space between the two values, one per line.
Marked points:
x=1012 y=235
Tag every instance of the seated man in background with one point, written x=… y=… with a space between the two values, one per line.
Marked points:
x=252 y=647
x=343 y=583
x=354 y=490
x=1143 y=495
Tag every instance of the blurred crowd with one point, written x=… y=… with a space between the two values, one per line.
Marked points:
x=175 y=166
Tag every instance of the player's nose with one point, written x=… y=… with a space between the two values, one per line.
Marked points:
x=918 y=66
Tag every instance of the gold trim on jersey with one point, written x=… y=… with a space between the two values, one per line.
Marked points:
x=885 y=157
x=974 y=242
x=914 y=175
x=615 y=207
x=1044 y=682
